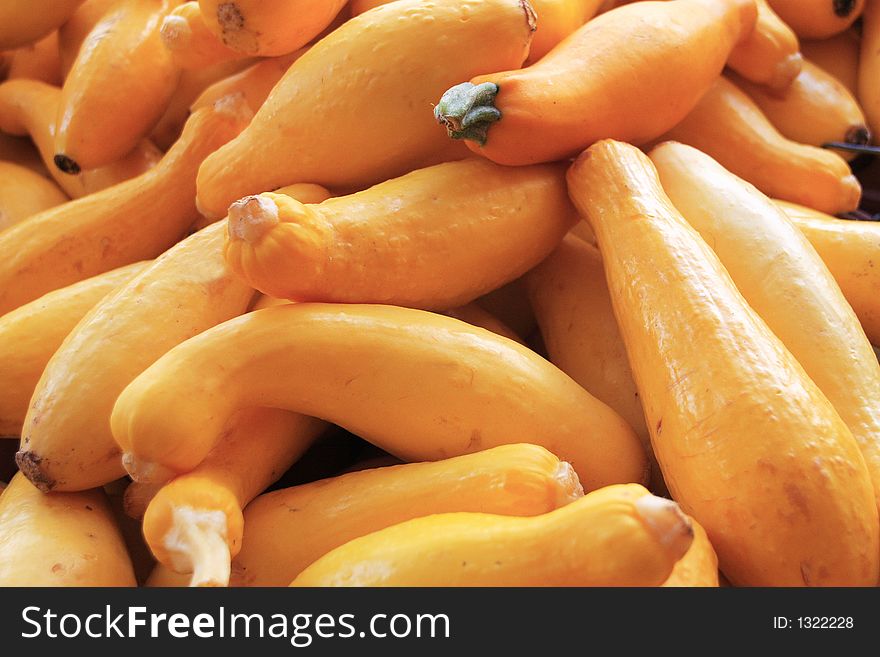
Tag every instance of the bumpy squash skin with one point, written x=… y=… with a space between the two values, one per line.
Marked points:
x=837 y=56
x=850 y=251
x=30 y=334
x=419 y=385
x=24 y=193
x=784 y=280
x=818 y=19
x=25 y=21
x=551 y=110
x=307 y=193
x=517 y=480
x=605 y=541
x=770 y=55
x=397 y=48
x=28 y=107
x=814 y=109
x=556 y=20
x=268 y=28
x=118 y=339
x=258 y=448
x=727 y=125
x=748 y=444
x=67 y=539
x=102 y=115
x=132 y=221
x=412 y=241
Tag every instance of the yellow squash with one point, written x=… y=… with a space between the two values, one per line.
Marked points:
x=436 y=238
x=25 y=21
x=30 y=334
x=192 y=44
x=254 y=82
x=869 y=66
x=513 y=480
x=769 y=55
x=571 y=302
x=699 y=566
x=24 y=193
x=421 y=386
x=67 y=444
x=131 y=221
x=64 y=539
x=194 y=523
x=608 y=541
x=163 y=577
x=394 y=49
x=784 y=280
x=27 y=107
x=268 y=28
x=849 y=249
x=103 y=114
x=475 y=315
x=37 y=61
x=747 y=443
x=814 y=109
x=730 y=127
x=120 y=338
x=819 y=19
x=190 y=85
x=73 y=33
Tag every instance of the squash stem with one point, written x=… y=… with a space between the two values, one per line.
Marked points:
x=251 y=218
x=197 y=544
x=468 y=111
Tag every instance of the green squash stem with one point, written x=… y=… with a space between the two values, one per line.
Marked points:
x=468 y=111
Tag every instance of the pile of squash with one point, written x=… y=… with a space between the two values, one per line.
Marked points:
x=557 y=291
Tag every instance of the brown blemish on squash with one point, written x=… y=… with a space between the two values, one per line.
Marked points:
x=31 y=465
x=531 y=16
x=229 y=16
x=797 y=499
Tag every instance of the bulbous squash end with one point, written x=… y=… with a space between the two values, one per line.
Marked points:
x=666 y=521
x=570 y=488
x=146 y=472
x=252 y=217
x=851 y=195
x=844 y=8
x=785 y=72
x=32 y=466
x=859 y=135
x=66 y=164
x=175 y=32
